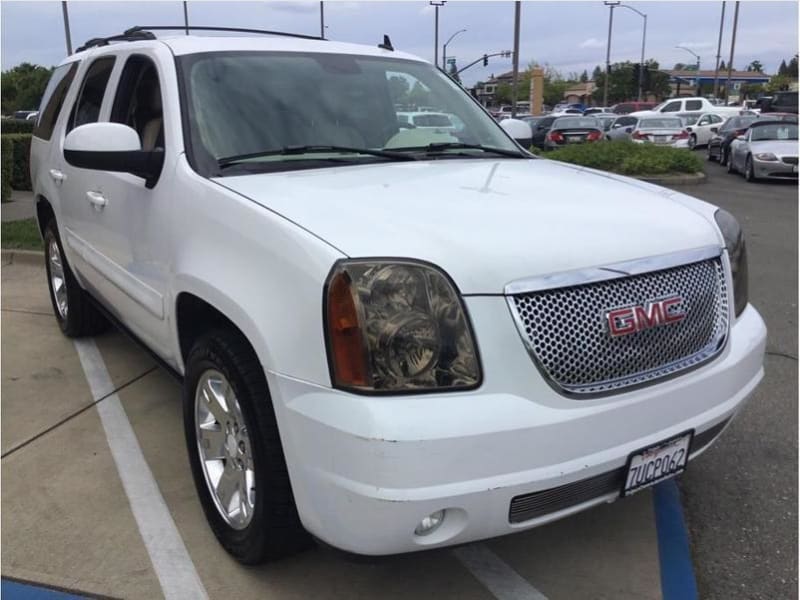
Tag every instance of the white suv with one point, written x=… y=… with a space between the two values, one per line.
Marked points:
x=391 y=338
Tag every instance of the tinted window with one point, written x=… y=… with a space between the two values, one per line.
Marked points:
x=626 y=121
x=623 y=108
x=783 y=131
x=87 y=107
x=694 y=104
x=138 y=101
x=570 y=122
x=672 y=107
x=53 y=99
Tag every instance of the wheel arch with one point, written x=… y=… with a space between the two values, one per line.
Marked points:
x=44 y=212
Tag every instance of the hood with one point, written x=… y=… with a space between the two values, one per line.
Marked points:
x=485 y=222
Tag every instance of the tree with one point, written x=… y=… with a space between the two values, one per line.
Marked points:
x=755 y=66
x=584 y=76
x=722 y=66
x=750 y=90
x=502 y=93
x=791 y=68
x=22 y=87
x=679 y=67
x=778 y=83
x=623 y=86
x=783 y=69
x=597 y=73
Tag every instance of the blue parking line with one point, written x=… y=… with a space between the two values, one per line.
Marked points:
x=677 y=572
x=13 y=590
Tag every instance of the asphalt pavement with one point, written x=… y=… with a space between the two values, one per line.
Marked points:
x=740 y=498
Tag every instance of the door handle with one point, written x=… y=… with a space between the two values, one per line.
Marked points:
x=57 y=176
x=97 y=199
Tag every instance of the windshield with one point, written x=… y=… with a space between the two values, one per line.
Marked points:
x=660 y=124
x=777 y=131
x=574 y=122
x=738 y=123
x=689 y=119
x=253 y=103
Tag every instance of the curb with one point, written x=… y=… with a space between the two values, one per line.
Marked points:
x=674 y=556
x=22 y=257
x=687 y=179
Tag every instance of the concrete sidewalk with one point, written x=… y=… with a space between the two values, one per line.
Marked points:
x=22 y=206
x=67 y=520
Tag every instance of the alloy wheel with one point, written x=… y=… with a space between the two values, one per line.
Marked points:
x=58 y=284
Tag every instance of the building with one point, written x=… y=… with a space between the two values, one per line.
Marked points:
x=580 y=93
x=685 y=82
x=486 y=91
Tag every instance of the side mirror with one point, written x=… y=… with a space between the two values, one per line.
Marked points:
x=518 y=130
x=112 y=147
x=740 y=137
x=628 y=129
x=616 y=126
x=715 y=130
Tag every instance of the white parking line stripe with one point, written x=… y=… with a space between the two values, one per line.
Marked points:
x=171 y=561
x=500 y=579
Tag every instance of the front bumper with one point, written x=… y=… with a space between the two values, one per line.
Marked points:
x=365 y=470
x=774 y=169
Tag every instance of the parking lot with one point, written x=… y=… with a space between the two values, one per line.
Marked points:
x=67 y=520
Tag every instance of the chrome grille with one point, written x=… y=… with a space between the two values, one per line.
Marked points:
x=566 y=331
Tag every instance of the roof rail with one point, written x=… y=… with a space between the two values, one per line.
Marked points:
x=128 y=36
x=149 y=28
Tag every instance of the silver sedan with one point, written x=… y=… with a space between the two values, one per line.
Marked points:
x=767 y=150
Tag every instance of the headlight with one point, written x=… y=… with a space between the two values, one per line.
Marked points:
x=737 y=253
x=766 y=156
x=397 y=326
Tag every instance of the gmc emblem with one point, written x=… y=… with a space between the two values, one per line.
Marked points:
x=622 y=321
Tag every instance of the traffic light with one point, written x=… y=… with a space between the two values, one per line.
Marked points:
x=485 y=60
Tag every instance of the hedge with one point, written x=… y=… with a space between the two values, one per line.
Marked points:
x=20 y=159
x=628 y=158
x=15 y=126
x=6 y=165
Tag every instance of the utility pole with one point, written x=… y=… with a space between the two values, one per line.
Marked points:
x=719 y=50
x=733 y=45
x=515 y=67
x=436 y=5
x=321 y=20
x=66 y=26
x=186 y=16
x=611 y=6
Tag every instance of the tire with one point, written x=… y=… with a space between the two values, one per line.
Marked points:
x=269 y=528
x=749 y=172
x=723 y=157
x=709 y=156
x=73 y=309
x=729 y=164
x=692 y=142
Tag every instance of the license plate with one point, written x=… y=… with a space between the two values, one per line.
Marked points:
x=660 y=139
x=574 y=138
x=655 y=463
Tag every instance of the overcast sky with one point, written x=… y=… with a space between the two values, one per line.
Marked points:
x=570 y=36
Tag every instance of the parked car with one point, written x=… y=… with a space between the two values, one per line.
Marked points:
x=595 y=110
x=425 y=119
x=625 y=108
x=687 y=105
x=661 y=131
x=784 y=102
x=701 y=127
x=719 y=144
x=389 y=357
x=573 y=130
x=22 y=115
x=767 y=150
x=621 y=128
x=540 y=128
x=605 y=120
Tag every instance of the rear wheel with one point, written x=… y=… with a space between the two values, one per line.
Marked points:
x=74 y=311
x=235 y=451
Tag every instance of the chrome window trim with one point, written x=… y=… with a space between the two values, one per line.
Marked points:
x=552 y=281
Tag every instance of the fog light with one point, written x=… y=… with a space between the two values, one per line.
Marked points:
x=430 y=523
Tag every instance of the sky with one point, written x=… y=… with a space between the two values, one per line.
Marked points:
x=568 y=35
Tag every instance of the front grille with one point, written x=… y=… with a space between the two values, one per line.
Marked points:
x=566 y=331
x=538 y=504
x=790 y=160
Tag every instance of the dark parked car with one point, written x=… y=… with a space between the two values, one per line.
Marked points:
x=539 y=127
x=719 y=144
x=624 y=108
x=573 y=130
x=783 y=102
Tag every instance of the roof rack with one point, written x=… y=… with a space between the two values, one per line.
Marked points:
x=145 y=32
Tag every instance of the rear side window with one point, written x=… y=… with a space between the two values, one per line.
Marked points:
x=87 y=106
x=53 y=99
x=694 y=104
x=672 y=107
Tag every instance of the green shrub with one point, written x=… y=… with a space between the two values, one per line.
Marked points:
x=21 y=154
x=21 y=234
x=15 y=126
x=627 y=158
x=6 y=165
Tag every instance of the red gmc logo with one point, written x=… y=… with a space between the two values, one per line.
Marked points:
x=622 y=321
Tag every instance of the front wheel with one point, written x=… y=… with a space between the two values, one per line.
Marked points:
x=74 y=311
x=692 y=142
x=235 y=451
x=729 y=164
x=724 y=158
x=749 y=172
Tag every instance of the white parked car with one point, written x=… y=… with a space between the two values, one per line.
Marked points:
x=392 y=343
x=661 y=131
x=701 y=127
x=685 y=105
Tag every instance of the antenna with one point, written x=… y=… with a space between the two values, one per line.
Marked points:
x=387 y=43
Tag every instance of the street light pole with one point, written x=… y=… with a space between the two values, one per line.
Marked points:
x=719 y=50
x=321 y=20
x=697 y=56
x=611 y=6
x=436 y=5
x=186 y=16
x=66 y=26
x=515 y=68
x=733 y=45
x=444 y=48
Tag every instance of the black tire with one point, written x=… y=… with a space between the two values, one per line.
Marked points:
x=749 y=172
x=692 y=142
x=709 y=156
x=81 y=317
x=274 y=530
x=729 y=165
x=723 y=157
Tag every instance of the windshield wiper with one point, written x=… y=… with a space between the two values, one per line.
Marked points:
x=439 y=147
x=295 y=150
